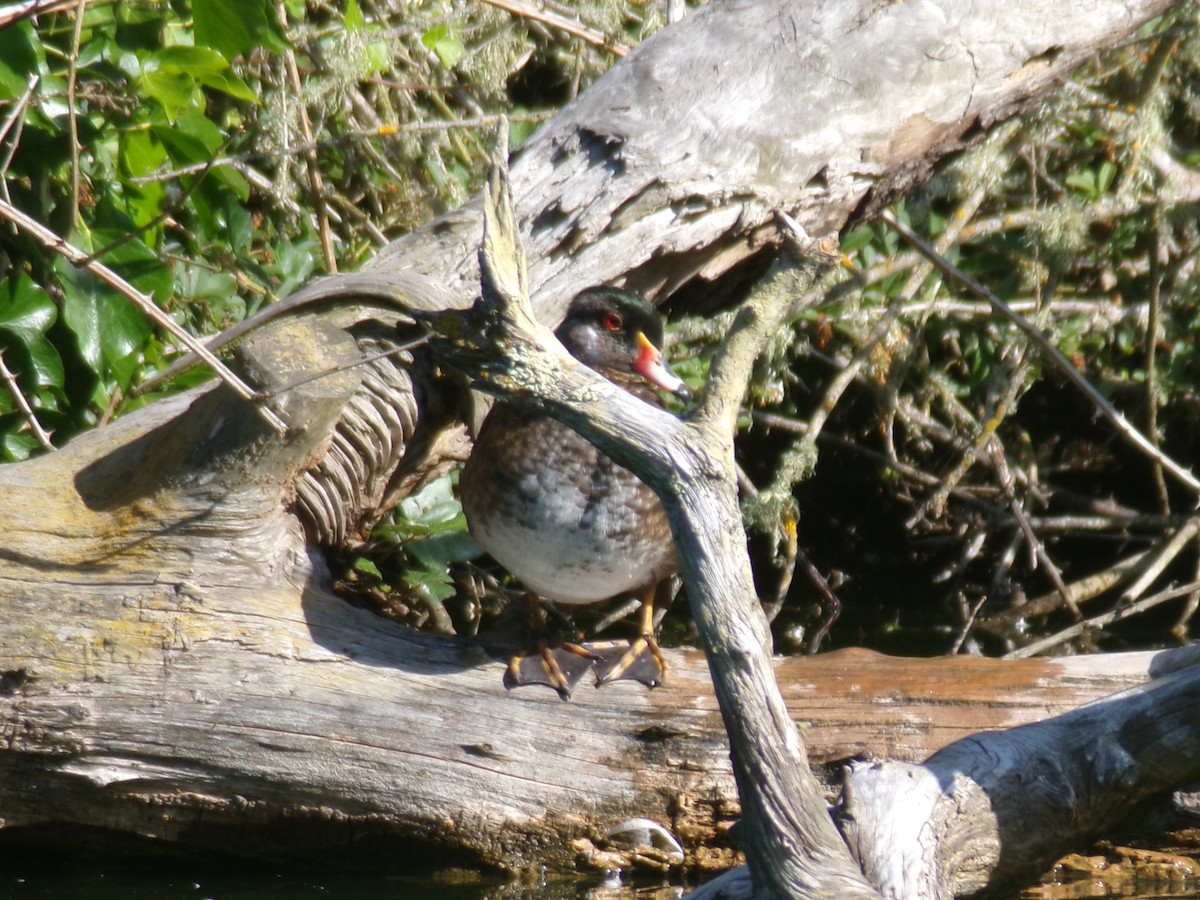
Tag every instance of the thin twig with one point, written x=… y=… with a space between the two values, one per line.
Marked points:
x=316 y=182
x=968 y=624
x=1159 y=561
x=72 y=113
x=1032 y=540
x=562 y=23
x=145 y=303
x=985 y=436
x=10 y=382
x=1098 y=622
x=1180 y=628
x=16 y=117
x=1088 y=588
x=1151 y=353
x=10 y=15
x=16 y=112
x=366 y=360
x=1051 y=352
x=239 y=160
x=879 y=334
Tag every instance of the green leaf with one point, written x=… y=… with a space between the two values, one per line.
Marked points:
x=16 y=447
x=1108 y=172
x=20 y=56
x=24 y=307
x=857 y=238
x=175 y=91
x=135 y=262
x=433 y=510
x=26 y=314
x=193 y=138
x=352 y=18
x=38 y=362
x=1084 y=182
x=172 y=76
x=436 y=582
x=235 y=27
x=364 y=566
x=141 y=153
x=208 y=68
x=81 y=311
x=376 y=58
x=106 y=325
x=445 y=43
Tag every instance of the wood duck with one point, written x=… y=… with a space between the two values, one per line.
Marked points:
x=572 y=525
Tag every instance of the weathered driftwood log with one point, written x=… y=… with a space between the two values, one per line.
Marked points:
x=171 y=660
x=982 y=811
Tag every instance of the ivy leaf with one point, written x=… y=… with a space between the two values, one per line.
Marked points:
x=20 y=57
x=445 y=43
x=235 y=27
x=16 y=447
x=24 y=307
x=107 y=326
x=172 y=76
x=352 y=18
x=135 y=262
x=26 y=314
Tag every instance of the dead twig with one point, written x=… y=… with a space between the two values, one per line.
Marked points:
x=15 y=119
x=1050 y=352
x=1151 y=353
x=145 y=303
x=1032 y=540
x=239 y=161
x=316 y=182
x=1004 y=624
x=1158 y=561
x=10 y=383
x=985 y=437
x=10 y=15
x=562 y=23
x=1098 y=622
x=72 y=112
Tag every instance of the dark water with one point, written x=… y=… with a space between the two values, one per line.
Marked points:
x=132 y=885
x=64 y=862
x=38 y=874
x=129 y=884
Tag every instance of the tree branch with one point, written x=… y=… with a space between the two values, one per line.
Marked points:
x=791 y=843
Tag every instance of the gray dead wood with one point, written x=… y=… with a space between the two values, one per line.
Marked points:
x=172 y=661
x=789 y=840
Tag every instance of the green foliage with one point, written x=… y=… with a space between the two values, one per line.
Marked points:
x=170 y=144
x=411 y=554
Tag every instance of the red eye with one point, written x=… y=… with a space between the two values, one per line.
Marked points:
x=613 y=321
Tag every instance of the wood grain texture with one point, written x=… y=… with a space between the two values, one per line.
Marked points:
x=171 y=659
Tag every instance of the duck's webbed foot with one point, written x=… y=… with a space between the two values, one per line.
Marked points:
x=642 y=660
x=559 y=666
x=636 y=660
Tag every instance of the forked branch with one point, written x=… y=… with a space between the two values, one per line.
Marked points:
x=790 y=841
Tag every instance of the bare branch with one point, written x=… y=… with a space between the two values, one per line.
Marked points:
x=145 y=303
x=1052 y=353
x=14 y=389
x=528 y=11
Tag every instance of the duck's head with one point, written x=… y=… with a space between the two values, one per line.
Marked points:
x=608 y=328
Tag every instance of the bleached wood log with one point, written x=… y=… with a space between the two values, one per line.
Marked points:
x=171 y=659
